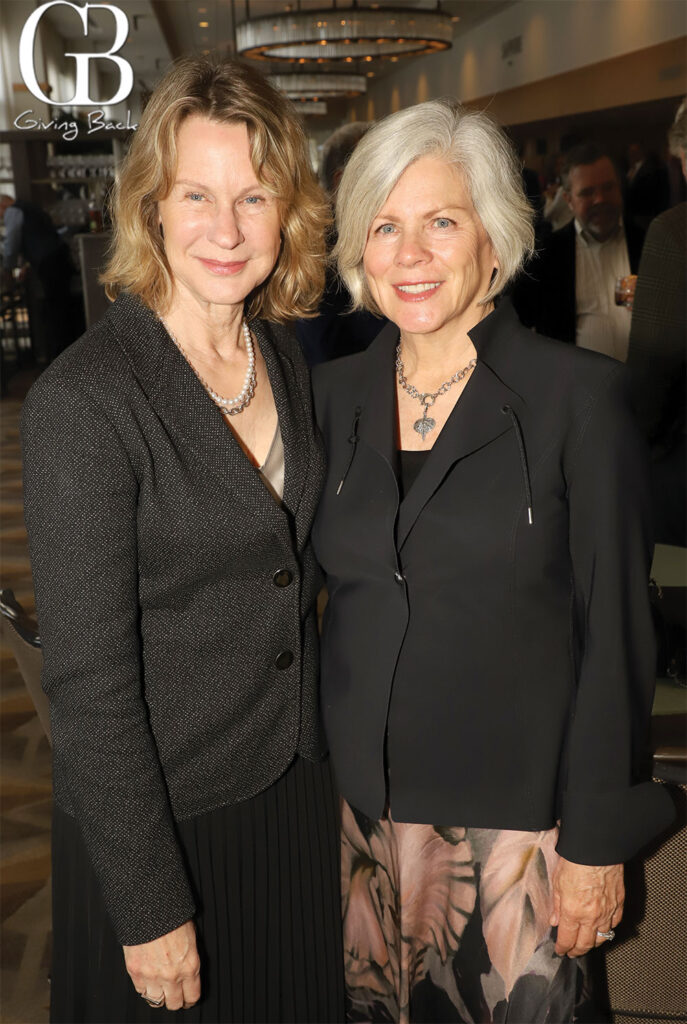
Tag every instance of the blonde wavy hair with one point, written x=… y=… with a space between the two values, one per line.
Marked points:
x=466 y=139
x=229 y=92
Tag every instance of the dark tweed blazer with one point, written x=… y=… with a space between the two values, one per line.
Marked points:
x=180 y=662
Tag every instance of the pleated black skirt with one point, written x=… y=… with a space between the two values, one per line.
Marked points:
x=266 y=880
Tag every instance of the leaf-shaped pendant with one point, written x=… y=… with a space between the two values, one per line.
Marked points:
x=424 y=425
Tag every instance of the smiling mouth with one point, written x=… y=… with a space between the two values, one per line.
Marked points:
x=220 y=267
x=418 y=289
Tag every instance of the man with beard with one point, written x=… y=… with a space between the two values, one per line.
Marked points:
x=568 y=289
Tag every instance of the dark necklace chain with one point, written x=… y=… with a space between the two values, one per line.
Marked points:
x=428 y=398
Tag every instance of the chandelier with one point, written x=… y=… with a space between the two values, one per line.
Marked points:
x=315 y=86
x=344 y=34
x=315 y=108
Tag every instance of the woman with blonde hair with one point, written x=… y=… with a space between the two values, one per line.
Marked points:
x=487 y=655
x=172 y=471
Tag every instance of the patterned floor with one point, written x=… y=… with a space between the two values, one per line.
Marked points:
x=25 y=791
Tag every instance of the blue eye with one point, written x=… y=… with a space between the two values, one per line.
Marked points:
x=195 y=196
x=253 y=200
x=443 y=222
x=385 y=229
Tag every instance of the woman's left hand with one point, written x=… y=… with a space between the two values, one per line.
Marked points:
x=587 y=900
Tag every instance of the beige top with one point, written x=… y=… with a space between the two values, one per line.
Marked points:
x=272 y=469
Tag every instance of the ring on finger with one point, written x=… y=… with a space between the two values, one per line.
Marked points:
x=607 y=936
x=155 y=1003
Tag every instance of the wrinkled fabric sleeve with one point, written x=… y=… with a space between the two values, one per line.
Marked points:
x=81 y=498
x=608 y=812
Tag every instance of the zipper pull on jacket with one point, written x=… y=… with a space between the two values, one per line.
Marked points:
x=353 y=441
x=508 y=410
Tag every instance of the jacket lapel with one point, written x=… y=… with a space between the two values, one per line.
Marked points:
x=190 y=415
x=476 y=420
x=292 y=416
x=377 y=427
x=478 y=417
x=182 y=402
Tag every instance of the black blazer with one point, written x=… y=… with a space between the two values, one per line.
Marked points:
x=484 y=670
x=181 y=670
x=544 y=293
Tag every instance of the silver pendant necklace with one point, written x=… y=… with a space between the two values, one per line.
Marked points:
x=228 y=406
x=427 y=423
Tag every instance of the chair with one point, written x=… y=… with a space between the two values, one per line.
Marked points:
x=647 y=964
x=21 y=636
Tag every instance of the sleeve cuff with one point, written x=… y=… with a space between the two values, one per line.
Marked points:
x=611 y=827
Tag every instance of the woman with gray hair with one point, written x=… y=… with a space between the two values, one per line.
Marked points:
x=487 y=663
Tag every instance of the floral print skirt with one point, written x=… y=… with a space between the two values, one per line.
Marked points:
x=452 y=924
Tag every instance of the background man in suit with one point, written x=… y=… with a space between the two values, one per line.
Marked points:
x=567 y=291
x=656 y=356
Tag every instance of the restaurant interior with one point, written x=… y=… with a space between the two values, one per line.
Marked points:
x=553 y=73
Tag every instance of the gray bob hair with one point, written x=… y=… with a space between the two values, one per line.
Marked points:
x=470 y=141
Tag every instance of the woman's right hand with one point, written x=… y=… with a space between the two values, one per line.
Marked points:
x=167 y=968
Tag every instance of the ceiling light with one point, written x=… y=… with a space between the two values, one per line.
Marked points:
x=313 y=86
x=311 y=107
x=357 y=32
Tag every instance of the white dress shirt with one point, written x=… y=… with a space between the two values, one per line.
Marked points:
x=601 y=325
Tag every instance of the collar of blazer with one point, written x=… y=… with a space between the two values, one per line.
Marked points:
x=180 y=400
x=476 y=420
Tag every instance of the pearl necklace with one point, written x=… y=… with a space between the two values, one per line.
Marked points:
x=228 y=406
